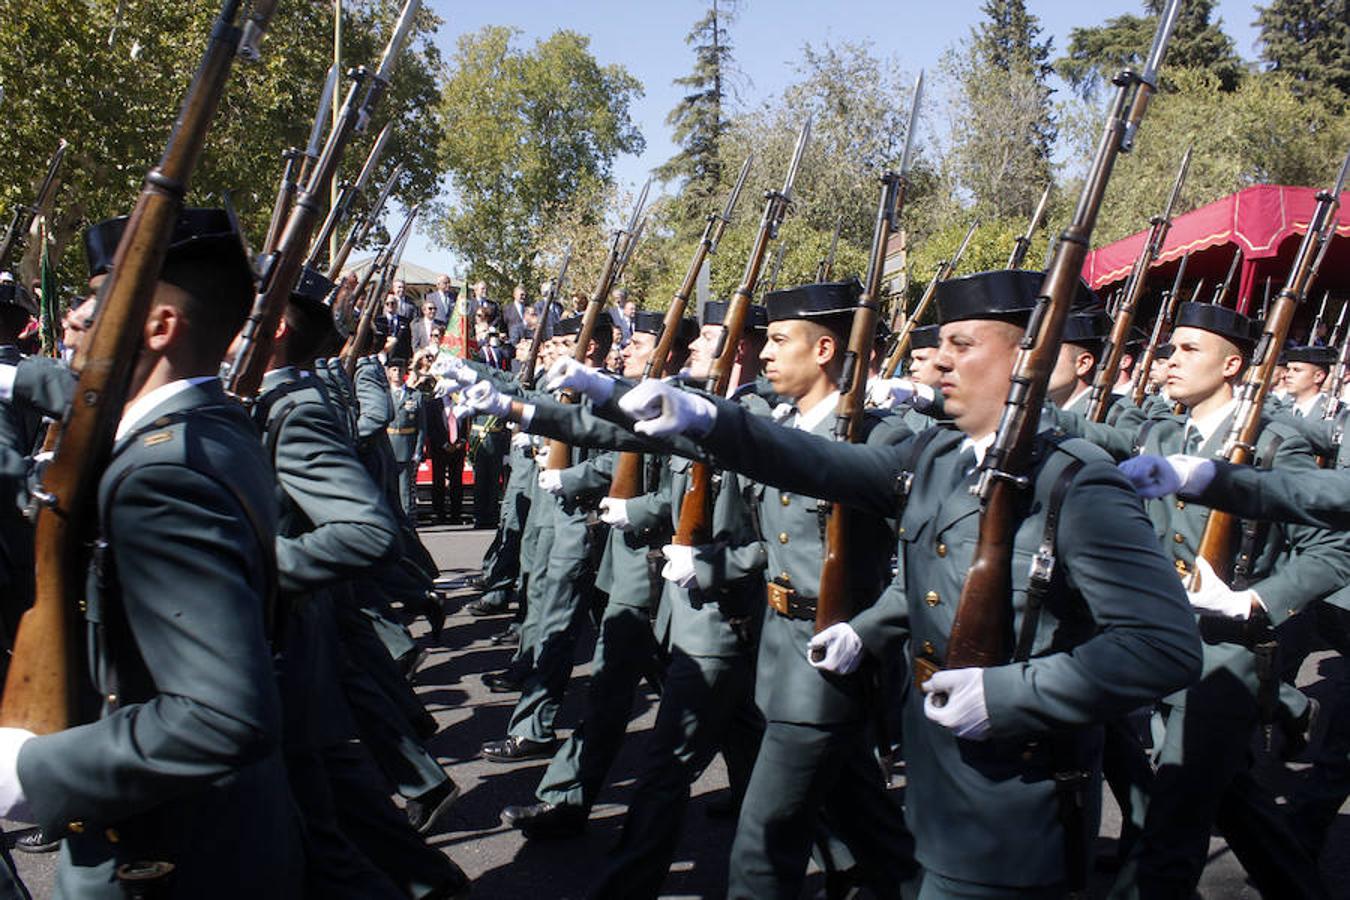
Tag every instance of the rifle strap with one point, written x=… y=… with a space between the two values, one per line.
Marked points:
x=905 y=479
x=1071 y=780
x=1254 y=531
x=1043 y=563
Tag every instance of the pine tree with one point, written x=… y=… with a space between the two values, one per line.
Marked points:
x=699 y=121
x=1009 y=40
x=1096 y=54
x=1308 y=40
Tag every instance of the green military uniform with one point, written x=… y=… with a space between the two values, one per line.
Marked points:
x=183 y=764
x=984 y=813
x=406 y=432
x=18 y=434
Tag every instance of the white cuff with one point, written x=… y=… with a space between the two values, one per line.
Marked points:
x=7 y=374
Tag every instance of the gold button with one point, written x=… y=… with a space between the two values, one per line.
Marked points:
x=1181 y=504
x=941 y=549
x=928 y=648
x=77 y=827
x=932 y=598
x=112 y=835
x=112 y=698
x=1181 y=566
x=902 y=529
x=783 y=538
x=83 y=605
x=785 y=499
x=783 y=576
x=1178 y=538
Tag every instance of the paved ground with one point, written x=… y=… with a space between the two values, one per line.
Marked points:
x=505 y=866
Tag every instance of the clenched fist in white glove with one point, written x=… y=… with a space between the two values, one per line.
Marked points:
x=614 y=513
x=13 y=803
x=550 y=480
x=453 y=369
x=1214 y=598
x=568 y=374
x=838 y=647
x=483 y=398
x=679 y=567
x=963 y=710
x=661 y=410
x=888 y=393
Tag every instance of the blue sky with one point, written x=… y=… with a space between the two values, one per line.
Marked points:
x=647 y=38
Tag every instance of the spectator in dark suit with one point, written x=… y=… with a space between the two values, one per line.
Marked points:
x=392 y=328
x=406 y=307
x=444 y=297
x=621 y=314
x=424 y=329
x=555 y=310
x=513 y=315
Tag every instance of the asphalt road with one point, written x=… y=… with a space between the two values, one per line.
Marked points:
x=504 y=865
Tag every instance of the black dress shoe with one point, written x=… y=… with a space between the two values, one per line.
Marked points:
x=486 y=607
x=508 y=636
x=435 y=614
x=502 y=682
x=411 y=661
x=546 y=820
x=456 y=887
x=39 y=840
x=423 y=811
x=515 y=749
x=426 y=726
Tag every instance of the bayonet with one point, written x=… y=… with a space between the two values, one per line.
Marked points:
x=826 y=265
x=907 y=157
x=1222 y=290
x=1023 y=243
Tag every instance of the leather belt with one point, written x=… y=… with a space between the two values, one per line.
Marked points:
x=403 y=431
x=787 y=602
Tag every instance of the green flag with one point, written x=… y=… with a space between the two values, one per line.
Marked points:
x=47 y=306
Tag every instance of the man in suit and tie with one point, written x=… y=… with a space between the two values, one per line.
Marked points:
x=423 y=331
x=622 y=313
x=444 y=297
x=393 y=328
x=513 y=316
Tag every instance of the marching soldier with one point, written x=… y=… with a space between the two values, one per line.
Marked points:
x=1025 y=731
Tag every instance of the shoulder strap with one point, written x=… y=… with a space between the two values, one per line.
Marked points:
x=1043 y=563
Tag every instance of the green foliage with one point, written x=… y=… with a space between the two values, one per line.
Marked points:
x=1261 y=133
x=528 y=133
x=989 y=248
x=115 y=101
x=1097 y=53
x=1309 y=41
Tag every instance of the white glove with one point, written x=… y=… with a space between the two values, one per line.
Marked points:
x=520 y=440
x=661 y=409
x=840 y=649
x=614 y=513
x=551 y=480
x=964 y=711
x=886 y=393
x=1214 y=598
x=483 y=398
x=453 y=369
x=568 y=374
x=13 y=803
x=679 y=567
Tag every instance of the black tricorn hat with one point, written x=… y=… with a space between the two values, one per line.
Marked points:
x=1007 y=294
x=1087 y=329
x=925 y=337
x=715 y=313
x=688 y=330
x=14 y=294
x=813 y=301
x=201 y=236
x=648 y=322
x=568 y=326
x=1164 y=351
x=1316 y=355
x=1226 y=323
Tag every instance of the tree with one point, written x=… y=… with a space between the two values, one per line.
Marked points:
x=525 y=132
x=699 y=120
x=108 y=76
x=1308 y=40
x=1001 y=122
x=1097 y=53
x=1261 y=133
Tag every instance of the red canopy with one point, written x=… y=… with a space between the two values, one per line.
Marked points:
x=1264 y=223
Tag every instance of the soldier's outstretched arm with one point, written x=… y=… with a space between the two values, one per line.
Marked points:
x=1145 y=643
x=1117 y=439
x=190 y=568
x=1320 y=498
x=374 y=403
x=39 y=383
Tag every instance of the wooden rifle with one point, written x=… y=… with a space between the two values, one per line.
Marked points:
x=1318 y=319
x=1336 y=377
x=1023 y=243
x=1218 y=543
x=834 y=602
x=22 y=221
x=771 y=284
x=255 y=345
x=528 y=376
x=385 y=262
x=361 y=227
x=626 y=482
x=293 y=171
x=40 y=686
x=620 y=252
x=982 y=628
x=945 y=270
x=1167 y=314
x=1108 y=365
x=696 y=526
